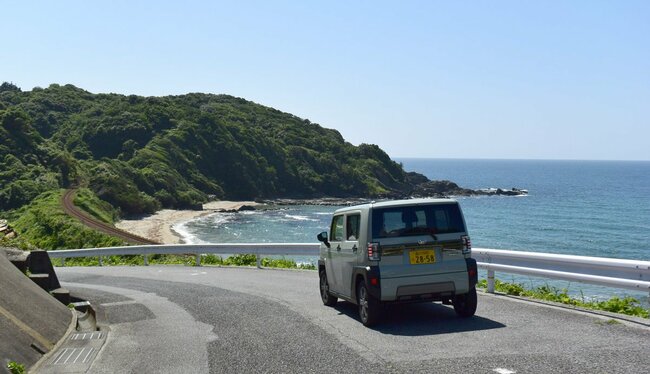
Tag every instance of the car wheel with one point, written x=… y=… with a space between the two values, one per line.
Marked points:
x=369 y=311
x=465 y=305
x=325 y=295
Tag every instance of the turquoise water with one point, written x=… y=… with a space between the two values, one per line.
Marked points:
x=590 y=208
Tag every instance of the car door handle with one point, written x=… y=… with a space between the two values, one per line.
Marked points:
x=354 y=248
x=338 y=247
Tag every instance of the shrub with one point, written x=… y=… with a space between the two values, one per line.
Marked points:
x=627 y=305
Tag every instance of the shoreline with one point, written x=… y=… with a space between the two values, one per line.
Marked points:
x=159 y=226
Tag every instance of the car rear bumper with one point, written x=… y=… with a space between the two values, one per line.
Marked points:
x=424 y=287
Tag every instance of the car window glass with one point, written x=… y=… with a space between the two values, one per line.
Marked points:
x=352 y=227
x=391 y=221
x=421 y=218
x=409 y=220
x=442 y=220
x=337 y=229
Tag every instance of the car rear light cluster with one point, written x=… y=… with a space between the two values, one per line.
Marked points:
x=373 y=252
x=467 y=244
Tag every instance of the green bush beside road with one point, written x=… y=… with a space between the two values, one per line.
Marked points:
x=627 y=305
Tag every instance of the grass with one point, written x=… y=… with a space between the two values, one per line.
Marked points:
x=188 y=260
x=15 y=368
x=43 y=224
x=87 y=201
x=627 y=305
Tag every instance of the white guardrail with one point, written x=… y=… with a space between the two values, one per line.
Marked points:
x=611 y=272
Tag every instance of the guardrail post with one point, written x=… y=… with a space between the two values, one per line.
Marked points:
x=259 y=260
x=101 y=261
x=62 y=261
x=198 y=259
x=146 y=259
x=490 y=281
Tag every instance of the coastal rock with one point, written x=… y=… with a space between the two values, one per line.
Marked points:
x=502 y=192
x=242 y=208
x=441 y=189
x=414 y=178
x=223 y=210
x=434 y=189
x=445 y=188
x=324 y=201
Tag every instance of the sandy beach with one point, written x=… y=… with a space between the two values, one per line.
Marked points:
x=158 y=226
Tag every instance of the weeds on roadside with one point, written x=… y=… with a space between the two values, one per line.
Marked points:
x=15 y=368
x=627 y=305
x=188 y=260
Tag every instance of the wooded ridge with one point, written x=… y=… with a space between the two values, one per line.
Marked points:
x=141 y=154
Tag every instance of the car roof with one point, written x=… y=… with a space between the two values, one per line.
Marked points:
x=394 y=203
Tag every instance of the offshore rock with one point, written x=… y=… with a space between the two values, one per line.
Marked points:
x=442 y=188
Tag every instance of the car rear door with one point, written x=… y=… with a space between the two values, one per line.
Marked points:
x=420 y=240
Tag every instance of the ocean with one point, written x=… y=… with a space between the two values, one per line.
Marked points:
x=589 y=208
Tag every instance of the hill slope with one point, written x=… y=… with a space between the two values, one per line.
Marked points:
x=143 y=153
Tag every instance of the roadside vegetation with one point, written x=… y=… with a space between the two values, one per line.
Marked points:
x=15 y=368
x=627 y=305
x=43 y=224
x=188 y=260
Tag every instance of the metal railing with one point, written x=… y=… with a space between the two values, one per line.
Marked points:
x=611 y=272
x=258 y=249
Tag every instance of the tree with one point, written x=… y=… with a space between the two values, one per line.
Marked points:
x=6 y=86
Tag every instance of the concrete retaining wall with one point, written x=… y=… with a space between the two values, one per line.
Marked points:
x=31 y=320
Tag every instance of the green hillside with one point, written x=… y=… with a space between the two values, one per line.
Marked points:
x=143 y=153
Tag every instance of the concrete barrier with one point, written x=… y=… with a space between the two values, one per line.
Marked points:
x=31 y=320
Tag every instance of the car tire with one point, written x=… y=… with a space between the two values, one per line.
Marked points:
x=325 y=295
x=369 y=308
x=465 y=304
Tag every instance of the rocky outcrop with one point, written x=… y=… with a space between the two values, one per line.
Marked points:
x=446 y=188
x=440 y=189
x=414 y=178
x=422 y=188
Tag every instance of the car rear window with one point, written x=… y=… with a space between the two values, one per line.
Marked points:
x=416 y=220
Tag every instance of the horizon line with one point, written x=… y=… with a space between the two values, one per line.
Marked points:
x=515 y=159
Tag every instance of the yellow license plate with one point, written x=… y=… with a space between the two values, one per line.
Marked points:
x=423 y=256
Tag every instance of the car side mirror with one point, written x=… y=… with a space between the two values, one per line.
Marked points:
x=322 y=237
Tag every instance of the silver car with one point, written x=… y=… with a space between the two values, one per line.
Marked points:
x=401 y=251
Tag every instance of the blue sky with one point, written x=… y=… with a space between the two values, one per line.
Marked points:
x=444 y=79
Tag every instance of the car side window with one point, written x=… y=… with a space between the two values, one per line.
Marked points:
x=336 y=231
x=352 y=227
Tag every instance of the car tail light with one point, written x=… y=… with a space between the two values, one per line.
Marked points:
x=467 y=244
x=373 y=252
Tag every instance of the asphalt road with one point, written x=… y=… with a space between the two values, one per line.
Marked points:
x=239 y=320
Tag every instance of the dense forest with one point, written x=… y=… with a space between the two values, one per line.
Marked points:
x=141 y=154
